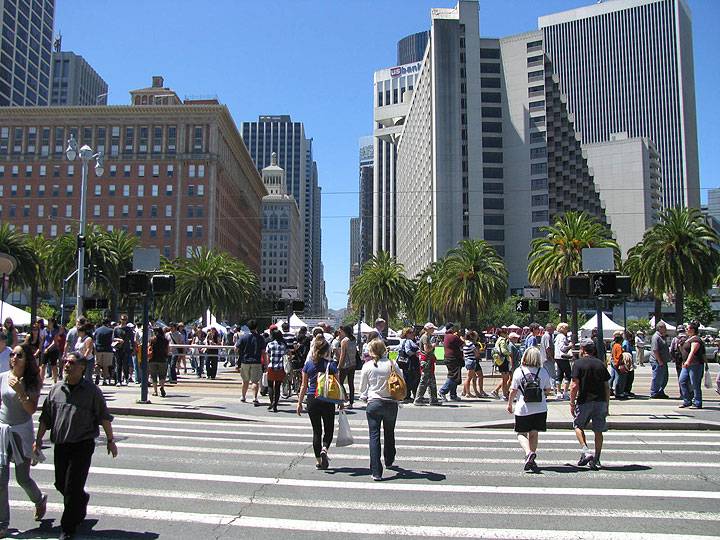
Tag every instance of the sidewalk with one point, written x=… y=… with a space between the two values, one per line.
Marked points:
x=219 y=399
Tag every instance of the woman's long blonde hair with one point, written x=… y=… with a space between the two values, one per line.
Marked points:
x=377 y=349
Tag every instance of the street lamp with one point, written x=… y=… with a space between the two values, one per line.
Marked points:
x=86 y=154
x=428 y=280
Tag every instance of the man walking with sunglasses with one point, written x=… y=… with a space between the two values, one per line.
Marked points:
x=73 y=411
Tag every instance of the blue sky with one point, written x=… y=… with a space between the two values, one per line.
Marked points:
x=315 y=61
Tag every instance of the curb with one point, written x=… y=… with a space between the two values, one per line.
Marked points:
x=646 y=425
x=178 y=414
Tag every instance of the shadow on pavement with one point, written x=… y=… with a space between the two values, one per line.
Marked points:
x=46 y=530
x=406 y=474
x=570 y=468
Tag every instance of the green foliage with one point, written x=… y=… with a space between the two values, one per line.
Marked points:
x=558 y=254
x=473 y=277
x=678 y=254
x=16 y=244
x=382 y=289
x=46 y=311
x=633 y=325
x=697 y=308
x=95 y=316
x=212 y=280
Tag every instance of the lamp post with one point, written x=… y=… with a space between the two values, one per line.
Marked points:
x=86 y=154
x=428 y=280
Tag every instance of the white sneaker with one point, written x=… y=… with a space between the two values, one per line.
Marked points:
x=559 y=396
x=495 y=394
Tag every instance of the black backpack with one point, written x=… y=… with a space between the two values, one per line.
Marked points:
x=531 y=389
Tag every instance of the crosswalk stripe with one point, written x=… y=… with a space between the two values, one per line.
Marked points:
x=274 y=442
x=448 y=488
x=321 y=526
x=509 y=437
x=397 y=507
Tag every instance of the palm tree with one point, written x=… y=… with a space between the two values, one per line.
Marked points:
x=15 y=244
x=558 y=255
x=40 y=247
x=473 y=278
x=121 y=244
x=678 y=255
x=639 y=280
x=211 y=280
x=382 y=289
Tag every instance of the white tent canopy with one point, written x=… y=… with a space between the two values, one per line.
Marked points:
x=669 y=326
x=609 y=327
x=19 y=316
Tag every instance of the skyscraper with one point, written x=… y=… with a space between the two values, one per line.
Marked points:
x=27 y=35
x=279 y=134
x=365 y=202
x=75 y=82
x=487 y=148
x=627 y=67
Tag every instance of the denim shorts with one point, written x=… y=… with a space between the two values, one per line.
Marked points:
x=591 y=411
x=471 y=364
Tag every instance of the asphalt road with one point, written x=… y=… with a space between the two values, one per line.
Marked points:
x=184 y=479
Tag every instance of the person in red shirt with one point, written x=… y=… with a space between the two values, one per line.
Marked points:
x=453 y=345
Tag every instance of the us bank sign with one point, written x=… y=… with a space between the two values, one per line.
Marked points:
x=405 y=70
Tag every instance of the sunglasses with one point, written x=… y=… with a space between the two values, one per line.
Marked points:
x=13 y=353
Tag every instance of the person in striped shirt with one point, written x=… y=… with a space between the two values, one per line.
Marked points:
x=472 y=364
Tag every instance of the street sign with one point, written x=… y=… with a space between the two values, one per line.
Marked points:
x=532 y=292
x=146 y=259
x=598 y=260
x=289 y=294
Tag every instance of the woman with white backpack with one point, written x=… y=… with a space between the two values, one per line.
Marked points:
x=382 y=386
x=530 y=384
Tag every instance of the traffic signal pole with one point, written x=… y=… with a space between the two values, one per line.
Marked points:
x=143 y=364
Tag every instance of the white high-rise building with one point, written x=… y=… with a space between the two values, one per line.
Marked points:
x=626 y=66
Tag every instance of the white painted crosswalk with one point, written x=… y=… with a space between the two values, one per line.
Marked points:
x=197 y=479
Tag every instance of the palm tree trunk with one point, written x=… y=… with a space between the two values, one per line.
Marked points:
x=657 y=309
x=679 y=304
x=34 y=300
x=563 y=304
x=574 y=310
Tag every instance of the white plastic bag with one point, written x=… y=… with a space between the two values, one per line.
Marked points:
x=708 y=382
x=264 y=380
x=344 y=436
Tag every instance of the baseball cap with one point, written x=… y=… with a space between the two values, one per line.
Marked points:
x=514 y=335
x=585 y=342
x=429 y=325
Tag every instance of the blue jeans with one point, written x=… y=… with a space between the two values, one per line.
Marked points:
x=172 y=369
x=90 y=369
x=690 y=384
x=659 y=378
x=381 y=411
x=454 y=377
x=614 y=375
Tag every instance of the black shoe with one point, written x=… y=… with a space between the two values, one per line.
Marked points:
x=585 y=459
x=324 y=463
x=66 y=535
x=162 y=392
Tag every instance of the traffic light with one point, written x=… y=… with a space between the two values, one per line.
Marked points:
x=522 y=306
x=96 y=303
x=163 y=284
x=622 y=285
x=80 y=241
x=298 y=305
x=543 y=306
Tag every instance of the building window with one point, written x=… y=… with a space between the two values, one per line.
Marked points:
x=492 y=157
x=493 y=204
x=201 y=171
x=126 y=171
x=167 y=231
x=43 y=170
x=540 y=215
x=28 y=190
x=490 y=53
x=111 y=190
x=539 y=200
x=154 y=190
x=126 y=190
x=68 y=210
x=201 y=190
x=15 y=171
x=168 y=189
x=538 y=183
x=494 y=235
x=153 y=231
x=157 y=139
x=153 y=210
x=492 y=127
x=53 y=230
x=113 y=170
x=141 y=170
x=69 y=190
x=55 y=190
x=28 y=171
x=143 y=142
x=494 y=219
x=125 y=210
x=198 y=231
x=171 y=139
x=492 y=172
x=111 y=210
x=538 y=168
x=139 y=210
x=54 y=210
x=96 y=210
x=198 y=139
x=189 y=231
x=168 y=210
x=138 y=230
x=539 y=152
x=191 y=171
x=190 y=212
x=493 y=187
x=489 y=67
x=537 y=137
x=534 y=76
x=156 y=170
x=191 y=190
x=41 y=210
x=98 y=190
x=537 y=105
x=129 y=140
x=490 y=97
x=170 y=171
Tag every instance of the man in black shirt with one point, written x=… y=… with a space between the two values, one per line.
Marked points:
x=103 y=350
x=124 y=343
x=589 y=396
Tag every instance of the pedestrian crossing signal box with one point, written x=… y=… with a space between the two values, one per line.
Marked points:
x=96 y=303
x=163 y=284
x=135 y=283
x=543 y=306
x=522 y=306
x=593 y=285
